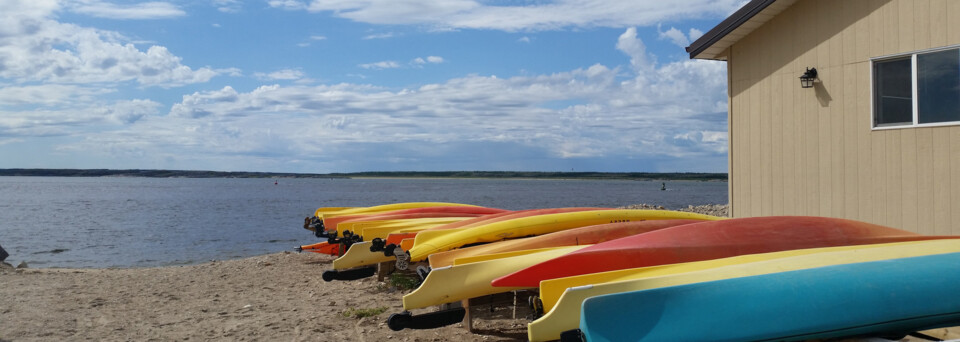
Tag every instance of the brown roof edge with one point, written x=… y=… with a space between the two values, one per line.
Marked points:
x=727 y=25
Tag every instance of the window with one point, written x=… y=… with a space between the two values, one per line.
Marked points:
x=919 y=89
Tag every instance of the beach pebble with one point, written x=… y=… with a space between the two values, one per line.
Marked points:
x=23 y=264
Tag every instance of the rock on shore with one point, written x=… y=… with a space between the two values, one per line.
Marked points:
x=722 y=210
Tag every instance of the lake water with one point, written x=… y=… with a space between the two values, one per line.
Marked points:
x=125 y=222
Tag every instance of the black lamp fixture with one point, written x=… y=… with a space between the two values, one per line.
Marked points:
x=806 y=81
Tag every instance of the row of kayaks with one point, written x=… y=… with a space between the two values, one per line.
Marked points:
x=606 y=274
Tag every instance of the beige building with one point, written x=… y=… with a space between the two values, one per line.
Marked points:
x=877 y=136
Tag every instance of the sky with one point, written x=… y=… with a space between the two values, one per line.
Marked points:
x=321 y=86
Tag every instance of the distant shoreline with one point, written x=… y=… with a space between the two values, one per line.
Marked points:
x=640 y=176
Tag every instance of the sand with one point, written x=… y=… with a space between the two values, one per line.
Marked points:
x=275 y=297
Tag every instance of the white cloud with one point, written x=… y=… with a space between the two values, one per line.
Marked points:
x=287 y=4
x=666 y=113
x=36 y=48
x=285 y=74
x=380 y=65
x=379 y=36
x=318 y=38
x=48 y=95
x=128 y=112
x=695 y=34
x=524 y=39
x=64 y=121
x=144 y=10
x=675 y=36
x=634 y=47
x=540 y=15
x=672 y=111
x=419 y=61
x=228 y=6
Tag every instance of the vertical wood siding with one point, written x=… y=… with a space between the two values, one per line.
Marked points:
x=797 y=151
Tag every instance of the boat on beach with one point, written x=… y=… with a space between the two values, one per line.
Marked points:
x=710 y=240
x=879 y=298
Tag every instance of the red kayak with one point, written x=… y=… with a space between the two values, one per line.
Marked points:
x=572 y=237
x=710 y=240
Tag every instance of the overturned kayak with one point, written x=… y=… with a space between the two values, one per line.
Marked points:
x=367 y=231
x=425 y=245
x=354 y=225
x=562 y=298
x=710 y=240
x=578 y=236
x=331 y=220
x=321 y=248
x=359 y=255
x=895 y=296
x=472 y=278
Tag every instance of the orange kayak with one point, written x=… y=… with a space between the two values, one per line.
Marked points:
x=710 y=240
x=322 y=248
x=588 y=235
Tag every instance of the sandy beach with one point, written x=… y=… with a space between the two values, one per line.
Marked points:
x=275 y=297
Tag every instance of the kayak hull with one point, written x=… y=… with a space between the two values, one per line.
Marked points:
x=537 y=225
x=578 y=236
x=359 y=255
x=710 y=240
x=890 y=296
x=471 y=280
x=564 y=313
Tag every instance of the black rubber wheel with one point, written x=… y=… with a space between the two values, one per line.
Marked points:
x=388 y=249
x=399 y=321
x=377 y=245
x=329 y=276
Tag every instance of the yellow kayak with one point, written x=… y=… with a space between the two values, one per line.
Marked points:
x=389 y=207
x=429 y=242
x=382 y=232
x=472 y=279
x=359 y=255
x=323 y=210
x=360 y=227
x=564 y=313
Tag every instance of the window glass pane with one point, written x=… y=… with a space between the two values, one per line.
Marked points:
x=893 y=95
x=938 y=86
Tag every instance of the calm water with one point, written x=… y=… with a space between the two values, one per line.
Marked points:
x=123 y=222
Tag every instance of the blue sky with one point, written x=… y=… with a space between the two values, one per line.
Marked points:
x=323 y=86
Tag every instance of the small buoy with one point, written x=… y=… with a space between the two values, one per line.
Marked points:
x=663 y=186
x=276 y=182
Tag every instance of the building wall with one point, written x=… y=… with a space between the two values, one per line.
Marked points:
x=797 y=151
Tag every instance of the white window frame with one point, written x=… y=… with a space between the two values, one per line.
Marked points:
x=913 y=85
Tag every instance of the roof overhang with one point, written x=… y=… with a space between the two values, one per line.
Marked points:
x=749 y=17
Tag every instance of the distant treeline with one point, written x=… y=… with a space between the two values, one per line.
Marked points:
x=384 y=174
x=545 y=175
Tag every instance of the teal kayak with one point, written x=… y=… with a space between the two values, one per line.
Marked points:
x=879 y=298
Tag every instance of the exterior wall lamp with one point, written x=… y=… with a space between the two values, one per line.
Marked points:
x=806 y=81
